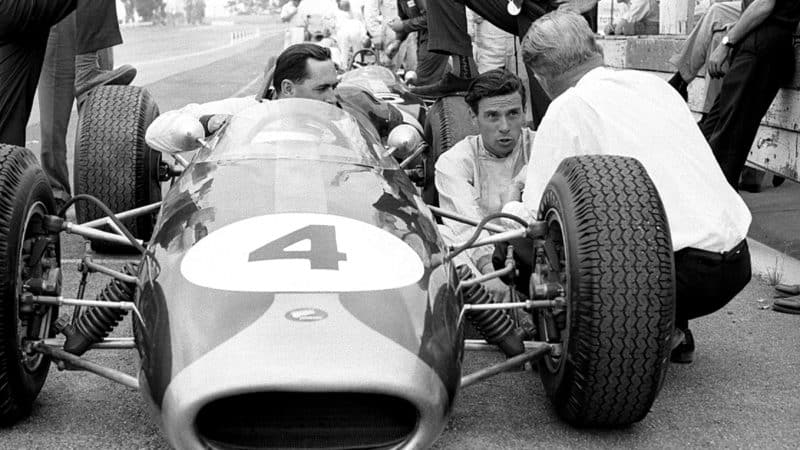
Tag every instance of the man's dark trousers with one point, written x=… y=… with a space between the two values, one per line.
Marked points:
x=24 y=28
x=760 y=64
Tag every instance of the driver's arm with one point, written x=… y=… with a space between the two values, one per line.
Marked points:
x=164 y=130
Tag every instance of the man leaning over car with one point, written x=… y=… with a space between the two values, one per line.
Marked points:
x=592 y=111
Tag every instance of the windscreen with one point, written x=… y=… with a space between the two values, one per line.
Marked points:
x=297 y=129
x=375 y=79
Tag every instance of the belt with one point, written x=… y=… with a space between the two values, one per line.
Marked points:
x=732 y=254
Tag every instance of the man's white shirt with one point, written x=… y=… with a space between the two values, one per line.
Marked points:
x=635 y=114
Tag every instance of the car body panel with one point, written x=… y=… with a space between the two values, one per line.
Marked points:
x=214 y=335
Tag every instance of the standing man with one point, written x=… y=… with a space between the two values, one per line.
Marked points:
x=24 y=30
x=64 y=76
x=414 y=17
x=296 y=25
x=596 y=110
x=761 y=56
x=493 y=47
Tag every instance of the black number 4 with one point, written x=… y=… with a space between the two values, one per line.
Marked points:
x=323 y=253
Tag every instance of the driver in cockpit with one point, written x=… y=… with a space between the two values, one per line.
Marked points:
x=301 y=71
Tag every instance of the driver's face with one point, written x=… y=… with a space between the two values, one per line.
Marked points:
x=320 y=83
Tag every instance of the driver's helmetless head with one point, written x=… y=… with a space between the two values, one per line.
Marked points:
x=306 y=71
x=497 y=105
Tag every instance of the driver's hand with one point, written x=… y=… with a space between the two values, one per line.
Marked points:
x=215 y=122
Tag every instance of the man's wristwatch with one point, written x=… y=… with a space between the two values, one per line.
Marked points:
x=726 y=41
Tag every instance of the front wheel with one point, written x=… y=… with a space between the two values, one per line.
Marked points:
x=27 y=252
x=608 y=244
x=113 y=161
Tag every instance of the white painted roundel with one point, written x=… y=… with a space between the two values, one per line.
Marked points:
x=301 y=252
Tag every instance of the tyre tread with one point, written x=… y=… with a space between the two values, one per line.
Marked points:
x=626 y=283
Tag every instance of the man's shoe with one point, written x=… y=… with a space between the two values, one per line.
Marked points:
x=122 y=75
x=787 y=305
x=682 y=349
x=449 y=84
x=788 y=289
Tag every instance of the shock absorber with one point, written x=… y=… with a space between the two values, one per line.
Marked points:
x=94 y=324
x=495 y=325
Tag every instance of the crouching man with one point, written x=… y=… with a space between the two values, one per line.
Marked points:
x=596 y=110
x=479 y=174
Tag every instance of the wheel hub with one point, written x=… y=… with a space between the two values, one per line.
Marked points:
x=38 y=272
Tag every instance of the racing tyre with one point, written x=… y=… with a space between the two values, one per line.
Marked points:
x=449 y=121
x=26 y=251
x=112 y=160
x=608 y=230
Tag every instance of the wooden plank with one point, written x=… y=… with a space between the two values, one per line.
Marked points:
x=777 y=151
x=676 y=16
x=775 y=148
x=783 y=113
x=652 y=53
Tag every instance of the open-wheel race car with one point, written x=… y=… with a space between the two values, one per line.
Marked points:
x=293 y=289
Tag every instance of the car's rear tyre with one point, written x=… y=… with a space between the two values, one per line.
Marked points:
x=608 y=227
x=449 y=121
x=25 y=198
x=112 y=160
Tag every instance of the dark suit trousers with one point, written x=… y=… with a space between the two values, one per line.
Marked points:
x=24 y=28
x=760 y=64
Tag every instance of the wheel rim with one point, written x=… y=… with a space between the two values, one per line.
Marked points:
x=555 y=236
x=35 y=325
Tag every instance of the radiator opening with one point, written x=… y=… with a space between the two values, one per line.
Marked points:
x=264 y=420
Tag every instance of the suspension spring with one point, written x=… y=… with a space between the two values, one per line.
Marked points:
x=494 y=325
x=94 y=324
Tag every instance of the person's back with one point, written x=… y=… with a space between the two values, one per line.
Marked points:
x=635 y=114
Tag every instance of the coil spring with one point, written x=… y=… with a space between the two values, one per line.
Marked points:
x=493 y=324
x=96 y=323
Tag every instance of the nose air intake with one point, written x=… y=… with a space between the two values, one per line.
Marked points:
x=321 y=420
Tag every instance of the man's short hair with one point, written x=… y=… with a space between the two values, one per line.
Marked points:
x=557 y=42
x=291 y=64
x=493 y=83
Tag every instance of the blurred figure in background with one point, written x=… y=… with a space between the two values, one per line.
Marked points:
x=638 y=17
x=377 y=15
x=413 y=17
x=350 y=32
x=296 y=30
x=492 y=47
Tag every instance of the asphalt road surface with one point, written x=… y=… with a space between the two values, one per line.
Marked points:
x=742 y=391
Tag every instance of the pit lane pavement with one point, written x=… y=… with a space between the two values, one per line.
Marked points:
x=742 y=391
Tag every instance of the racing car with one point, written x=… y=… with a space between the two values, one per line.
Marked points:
x=292 y=290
